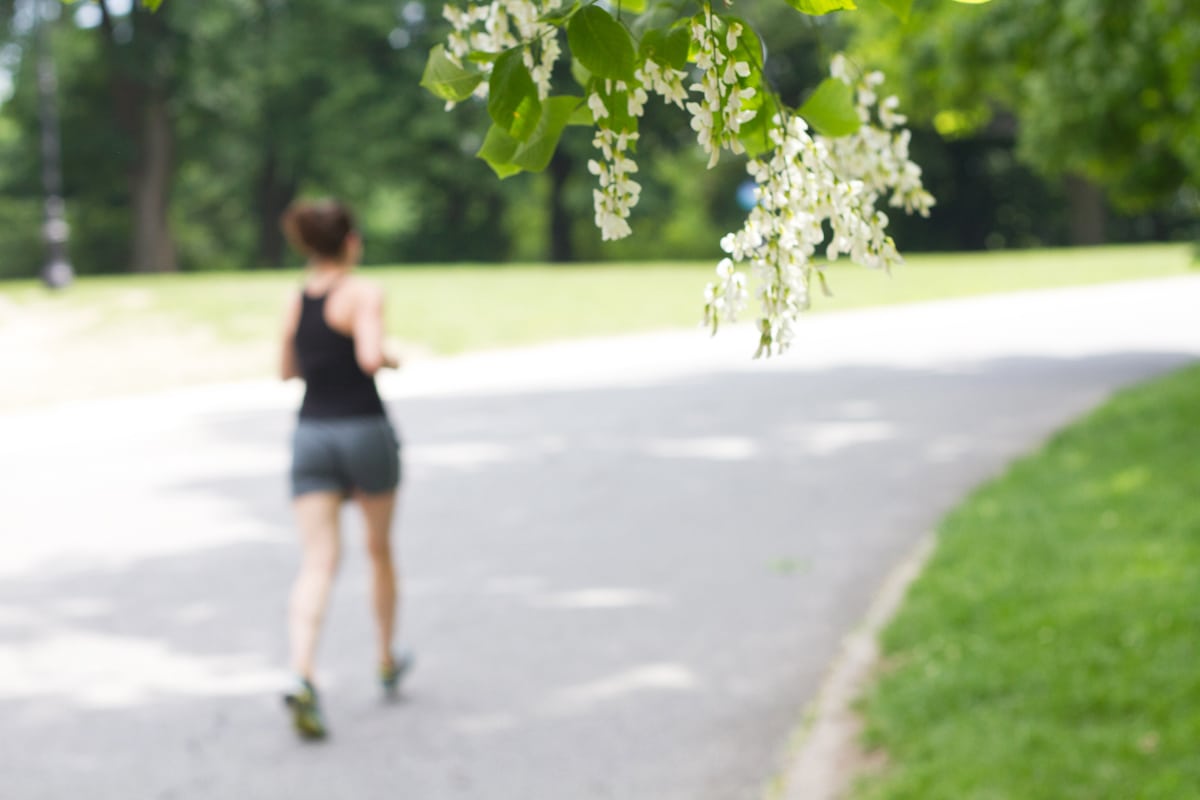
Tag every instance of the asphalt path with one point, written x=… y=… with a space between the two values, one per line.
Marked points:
x=628 y=562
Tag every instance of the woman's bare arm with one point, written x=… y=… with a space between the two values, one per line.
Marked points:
x=288 y=368
x=368 y=330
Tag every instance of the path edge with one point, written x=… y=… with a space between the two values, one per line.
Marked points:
x=826 y=754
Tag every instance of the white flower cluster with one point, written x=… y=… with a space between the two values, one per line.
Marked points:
x=663 y=81
x=807 y=186
x=718 y=118
x=725 y=298
x=806 y=182
x=501 y=24
x=618 y=192
x=878 y=154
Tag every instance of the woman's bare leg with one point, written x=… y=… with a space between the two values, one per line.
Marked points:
x=317 y=517
x=378 y=510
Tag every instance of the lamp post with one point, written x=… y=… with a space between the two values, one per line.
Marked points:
x=57 y=272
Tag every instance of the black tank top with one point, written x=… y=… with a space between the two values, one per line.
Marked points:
x=335 y=386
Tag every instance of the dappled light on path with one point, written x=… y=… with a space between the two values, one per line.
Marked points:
x=640 y=553
x=649 y=678
x=93 y=670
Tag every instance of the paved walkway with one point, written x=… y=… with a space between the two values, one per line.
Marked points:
x=630 y=561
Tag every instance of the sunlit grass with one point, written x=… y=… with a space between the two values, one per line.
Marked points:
x=167 y=330
x=450 y=309
x=1050 y=649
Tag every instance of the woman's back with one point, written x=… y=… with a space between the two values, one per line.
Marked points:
x=335 y=385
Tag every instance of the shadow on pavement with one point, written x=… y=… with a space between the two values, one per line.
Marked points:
x=625 y=592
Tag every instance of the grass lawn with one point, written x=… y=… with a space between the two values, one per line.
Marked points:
x=176 y=329
x=1051 y=649
x=451 y=309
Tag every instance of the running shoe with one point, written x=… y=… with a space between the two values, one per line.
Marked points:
x=391 y=675
x=306 y=711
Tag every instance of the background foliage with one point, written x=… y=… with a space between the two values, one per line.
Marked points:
x=1033 y=121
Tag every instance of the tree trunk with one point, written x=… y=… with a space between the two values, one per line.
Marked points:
x=1087 y=211
x=150 y=188
x=274 y=195
x=140 y=105
x=561 y=247
x=275 y=188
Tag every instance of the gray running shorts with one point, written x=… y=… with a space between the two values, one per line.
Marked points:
x=353 y=454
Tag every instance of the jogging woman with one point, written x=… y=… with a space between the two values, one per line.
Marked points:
x=344 y=447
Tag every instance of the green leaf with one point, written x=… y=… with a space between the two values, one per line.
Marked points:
x=497 y=150
x=819 y=7
x=693 y=45
x=507 y=156
x=974 y=2
x=481 y=57
x=446 y=79
x=755 y=134
x=830 y=109
x=601 y=44
x=678 y=42
x=666 y=47
x=580 y=73
x=632 y=6
x=582 y=116
x=652 y=43
x=619 y=118
x=534 y=155
x=901 y=8
x=559 y=17
x=512 y=96
x=152 y=4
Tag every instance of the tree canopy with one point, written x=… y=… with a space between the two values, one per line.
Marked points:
x=188 y=129
x=1105 y=89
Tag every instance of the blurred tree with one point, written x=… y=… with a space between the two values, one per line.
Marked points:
x=682 y=203
x=303 y=96
x=187 y=132
x=140 y=56
x=1102 y=92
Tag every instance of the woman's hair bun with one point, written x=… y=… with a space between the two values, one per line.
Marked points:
x=318 y=228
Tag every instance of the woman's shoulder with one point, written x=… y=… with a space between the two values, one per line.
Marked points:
x=363 y=290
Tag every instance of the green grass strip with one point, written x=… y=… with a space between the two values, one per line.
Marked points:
x=1051 y=649
x=450 y=309
x=175 y=330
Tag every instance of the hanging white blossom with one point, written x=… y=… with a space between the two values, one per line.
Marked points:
x=807 y=182
x=618 y=192
x=817 y=197
x=497 y=26
x=721 y=111
x=667 y=83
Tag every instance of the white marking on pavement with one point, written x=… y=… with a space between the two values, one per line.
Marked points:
x=602 y=599
x=828 y=438
x=461 y=455
x=649 y=678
